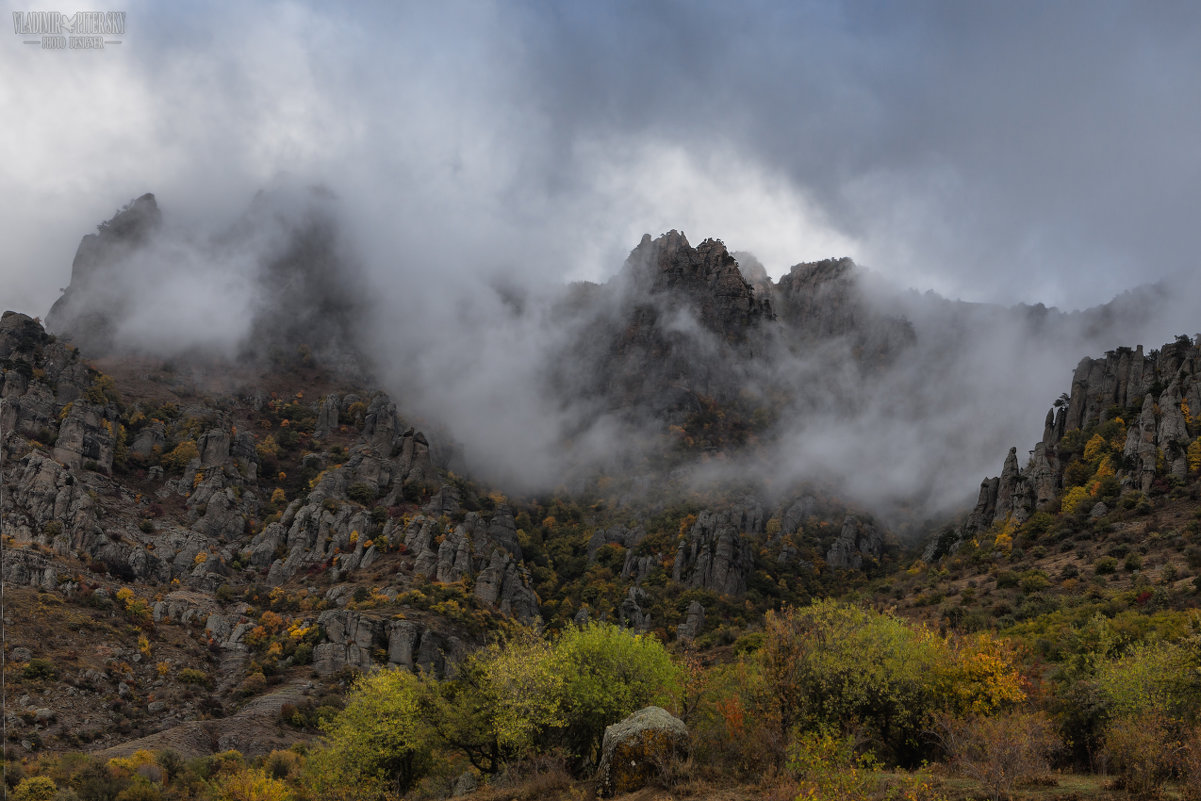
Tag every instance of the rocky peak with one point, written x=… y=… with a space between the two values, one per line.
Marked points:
x=706 y=276
x=88 y=307
x=825 y=299
x=292 y=258
x=809 y=276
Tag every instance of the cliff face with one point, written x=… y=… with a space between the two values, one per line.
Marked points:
x=1127 y=425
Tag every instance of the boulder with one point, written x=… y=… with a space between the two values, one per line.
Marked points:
x=640 y=749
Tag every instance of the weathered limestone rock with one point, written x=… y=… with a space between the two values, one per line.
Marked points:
x=85 y=436
x=1163 y=385
x=630 y=611
x=327 y=417
x=350 y=641
x=693 y=623
x=151 y=436
x=505 y=584
x=857 y=540
x=354 y=640
x=214 y=448
x=25 y=568
x=416 y=647
x=639 y=749
x=713 y=555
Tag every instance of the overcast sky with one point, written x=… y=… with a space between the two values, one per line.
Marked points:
x=991 y=151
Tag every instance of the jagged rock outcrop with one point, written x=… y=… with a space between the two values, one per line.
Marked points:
x=484 y=550
x=310 y=302
x=327 y=527
x=29 y=569
x=354 y=640
x=714 y=555
x=858 y=541
x=327 y=417
x=184 y=606
x=631 y=614
x=707 y=276
x=1146 y=402
x=47 y=503
x=668 y=341
x=41 y=377
x=504 y=583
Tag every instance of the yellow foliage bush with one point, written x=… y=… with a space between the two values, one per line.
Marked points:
x=35 y=788
x=1095 y=448
x=180 y=455
x=985 y=679
x=1004 y=538
x=267 y=448
x=1073 y=498
x=252 y=784
x=1194 y=455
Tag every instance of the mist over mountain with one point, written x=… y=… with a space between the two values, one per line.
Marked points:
x=689 y=368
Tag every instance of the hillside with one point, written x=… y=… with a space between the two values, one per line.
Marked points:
x=219 y=531
x=207 y=541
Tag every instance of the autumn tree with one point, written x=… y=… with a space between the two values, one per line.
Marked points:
x=501 y=703
x=844 y=668
x=607 y=673
x=380 y=741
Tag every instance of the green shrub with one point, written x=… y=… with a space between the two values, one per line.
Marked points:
x=39 y=668
x=608 y=673
x=1007 y=579
x=140 y=789
x=362 y=494
x=1034 y=580
x=827 y=767
x=193 y=676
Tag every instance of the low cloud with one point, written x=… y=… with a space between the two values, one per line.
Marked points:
x=1025 y=153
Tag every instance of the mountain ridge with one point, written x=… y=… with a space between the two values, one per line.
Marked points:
x=276 y=521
